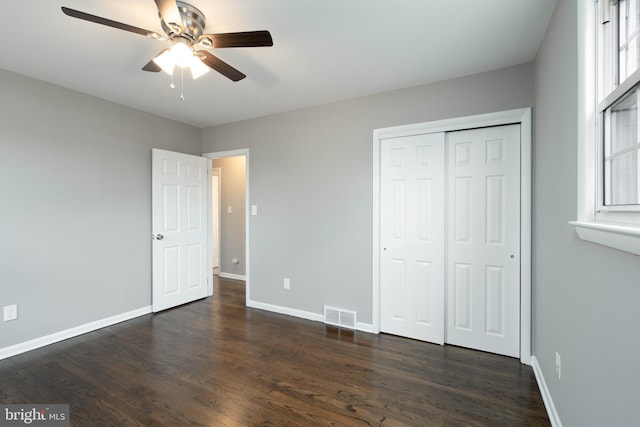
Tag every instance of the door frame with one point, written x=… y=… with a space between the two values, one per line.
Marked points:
x=219 y=155
x=218 y=173
x=520 y=116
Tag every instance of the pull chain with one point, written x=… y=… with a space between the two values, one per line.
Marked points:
x=182 y=84
x=173 y=86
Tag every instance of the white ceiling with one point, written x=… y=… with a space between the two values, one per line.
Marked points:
x=324 y=50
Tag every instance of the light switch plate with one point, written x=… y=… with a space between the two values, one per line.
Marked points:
x=254 y=210
x=10 y=312
x=229 y=209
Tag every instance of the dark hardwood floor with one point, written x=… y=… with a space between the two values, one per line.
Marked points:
x=215 y=362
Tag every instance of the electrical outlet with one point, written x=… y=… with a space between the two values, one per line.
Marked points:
x=287 y=283
x=558 y=365
x=10 y=312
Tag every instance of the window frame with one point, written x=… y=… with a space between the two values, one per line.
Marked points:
x=605 y=99
x=593 y=223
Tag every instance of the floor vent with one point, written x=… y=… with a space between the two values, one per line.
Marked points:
x=339 y=317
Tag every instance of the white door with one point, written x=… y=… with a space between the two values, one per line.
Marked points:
x=483 y=239
x=179 y=205
x=412 y=237
x=215 y=216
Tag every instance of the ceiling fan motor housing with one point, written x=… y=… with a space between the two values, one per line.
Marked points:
x=193 y=23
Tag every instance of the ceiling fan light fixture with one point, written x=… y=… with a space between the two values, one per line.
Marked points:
x=181 y=53
x=166 y=62
x=198 y=68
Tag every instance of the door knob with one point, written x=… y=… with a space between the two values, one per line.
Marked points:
x=159 y=236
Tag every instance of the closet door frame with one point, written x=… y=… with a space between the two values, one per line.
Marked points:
x=519 y=116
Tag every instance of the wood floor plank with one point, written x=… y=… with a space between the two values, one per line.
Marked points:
x=215 y=362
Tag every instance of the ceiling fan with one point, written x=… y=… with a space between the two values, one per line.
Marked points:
x=184 y=25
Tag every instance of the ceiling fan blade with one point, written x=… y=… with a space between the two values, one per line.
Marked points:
x=220 y=66
x=152 y=66
x=170 y=15
x=242 y=39
x=109 y=23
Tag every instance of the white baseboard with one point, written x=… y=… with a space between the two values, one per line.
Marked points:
x=308 y=315
x=16 y=349
x=233 y=276
x=554 y=418
x=286 y=310
x=365 y=327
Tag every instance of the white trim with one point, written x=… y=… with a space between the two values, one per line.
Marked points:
x=72 y=332
x=522 y=116
x=218 y=173
x=308 y=315
x=365 y=327
x=615 y=236
x=233 y=153
x=232 y=276
x=587 y=152
x=210 y=221
x=227 y=153
x=525 y=236
x=457 y=123
x=554 y=418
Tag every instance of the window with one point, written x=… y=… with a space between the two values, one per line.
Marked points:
x=618 y=98
x=621 y=151
x=608 y=209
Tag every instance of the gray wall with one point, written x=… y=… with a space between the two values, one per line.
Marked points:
x=232 y=225
x=585 y=296
x=75 y=209
x=311 y=177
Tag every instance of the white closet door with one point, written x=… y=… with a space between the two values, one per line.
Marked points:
x=412 y=237
x=483 y=239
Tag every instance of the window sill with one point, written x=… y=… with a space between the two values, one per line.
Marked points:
x=623 y=237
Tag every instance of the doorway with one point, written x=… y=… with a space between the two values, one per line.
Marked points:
x=444 y=192
x=230 y=169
